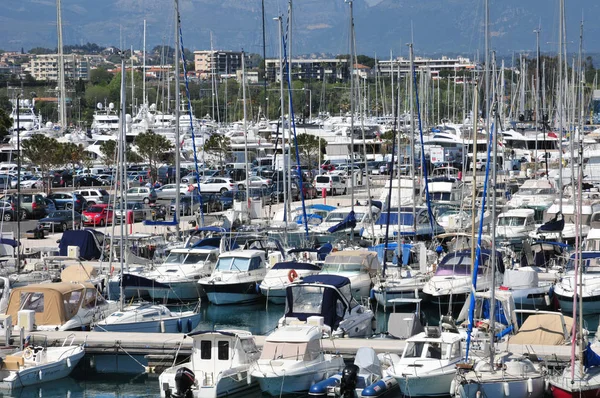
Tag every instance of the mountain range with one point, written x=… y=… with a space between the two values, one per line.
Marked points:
x=319 y=26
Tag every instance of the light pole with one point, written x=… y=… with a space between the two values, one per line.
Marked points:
x=309 y=102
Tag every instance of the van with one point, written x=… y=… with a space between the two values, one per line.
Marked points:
x=332 y=183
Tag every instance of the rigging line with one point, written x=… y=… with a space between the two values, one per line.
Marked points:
x=177 y=144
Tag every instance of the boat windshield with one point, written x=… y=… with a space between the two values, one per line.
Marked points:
x=233 y=264
x=344 y=267
x=511 y=221
x=457 y=265
x=194 y=258
x=291 y=351
x=307 y=299
x=414 y=349
x=535 y=191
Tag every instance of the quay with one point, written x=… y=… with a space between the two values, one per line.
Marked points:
x=162 y=346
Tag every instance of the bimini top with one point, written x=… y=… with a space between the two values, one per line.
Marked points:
x=365 y=258
x=53 y=303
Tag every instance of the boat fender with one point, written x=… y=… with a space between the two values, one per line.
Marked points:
x=547 y=300
x=162 y=326
x=292 y=275
x=257 y=287
x=41 y=375
x=529 y=385
x=68 y=362
x=375 y=389
x=179 y=325
x=453 y=388
x=189 y=325
x=506 y=389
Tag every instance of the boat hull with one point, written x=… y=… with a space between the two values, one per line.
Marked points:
x=435 y=385
x=275 y=386
x=234 y=293
x=176 y=324
x=517 y=388
x=180 y=291
x=274 y=296
x=43 y=373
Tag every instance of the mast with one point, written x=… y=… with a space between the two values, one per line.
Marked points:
x=560 y=104
x=290 y=69
x=285 y=191
x=412 y=139
x=264 y=77
x=177 y=100
x=62 y=102
x=123 y=182
x=133 y=86
x=245 y=132
x=144 y=68
x=351 y=168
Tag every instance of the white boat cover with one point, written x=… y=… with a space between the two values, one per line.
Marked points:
x=366 y=359
x=523 y=279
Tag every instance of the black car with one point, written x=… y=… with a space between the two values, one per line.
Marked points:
x=62 y=179
x=88 y=181
x=227 y=200
x=277 y=192
x=60 y=220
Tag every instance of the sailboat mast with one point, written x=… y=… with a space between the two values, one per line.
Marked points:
x=560 y=104
x=177 y=100
x=62 y=105
x=282 y=134
x=123 y=181
x=264 y=77
x=245 y=131
x=580 y=202
x=412 y=139
x=144 y=67
x=351 y=168
x=132 y=85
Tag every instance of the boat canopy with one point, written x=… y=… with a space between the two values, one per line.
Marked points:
x=365 y=259
x=328 y=296
x=544 y=329
x=53 y=303
x=78 y=273
x=296 y=265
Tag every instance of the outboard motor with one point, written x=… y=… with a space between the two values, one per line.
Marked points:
x=349 y=381
x=184 y=380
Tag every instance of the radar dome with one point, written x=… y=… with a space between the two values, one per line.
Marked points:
x=128 y=118
x=111 y=106
x=48 y=125
x=99 y=105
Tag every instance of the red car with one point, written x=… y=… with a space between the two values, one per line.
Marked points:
x=309 y=190
x=98 y=215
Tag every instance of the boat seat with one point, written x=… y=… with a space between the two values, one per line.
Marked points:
x=13 y=362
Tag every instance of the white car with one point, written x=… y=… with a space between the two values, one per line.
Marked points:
x=94 y=196
x=32 y=183
x=255 y=182
x=217 y=184
x=170 y=191
x=332 y=183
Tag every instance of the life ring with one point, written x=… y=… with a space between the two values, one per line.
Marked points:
x=292 y=275
x=28 y=353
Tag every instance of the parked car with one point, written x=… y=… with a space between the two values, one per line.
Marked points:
x=62 y=179
x=9 y=211
x=255 y=182
x=277 y=194
x=332 y=183
x=309 y=190
x=187 y=205
x=66 y=201
x=138 y=209
x=33 y=205
x=144 y=194
x=89 y=181
x=169 y=191
x=98 y=215
x=94 y=196
x=50 y=206
x=60 y=220
x=31 y=183
x=226 y=199
x=217 y=184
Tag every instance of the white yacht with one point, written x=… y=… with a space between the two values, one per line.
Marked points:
x=218 y=366
x=428 y=363
x=106 y=120
x=292 y=360
x=236 y=277
x=359 y=266
x=281 y=275
x=588 y=282
x=515 y=225
x=28 y=120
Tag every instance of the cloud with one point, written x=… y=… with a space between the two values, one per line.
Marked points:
x=318 y=26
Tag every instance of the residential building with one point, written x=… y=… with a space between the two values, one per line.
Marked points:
x=45 y=67
x=251 y=76
x=434 y=65
x=216 y=62
x=310 y=69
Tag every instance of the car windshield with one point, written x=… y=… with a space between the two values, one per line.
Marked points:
x=95 y=209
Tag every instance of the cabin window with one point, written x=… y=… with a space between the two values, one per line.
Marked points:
x=249 y=346
x=71 y=302
x=307 y=299
x=32 y=301
x=194 y=258
x=413 y=349
x=205 y=349
x=89 y=300
x=434 y=351
x=223 y=350
x=454 y=350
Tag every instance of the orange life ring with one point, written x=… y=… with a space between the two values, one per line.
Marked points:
x=292 y=275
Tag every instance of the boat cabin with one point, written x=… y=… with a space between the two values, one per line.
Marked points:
x=351 y=261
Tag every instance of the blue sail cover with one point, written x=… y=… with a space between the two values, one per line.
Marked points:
x=136 y=281
x=348 y=222
x=590 y=358
x=84 y=239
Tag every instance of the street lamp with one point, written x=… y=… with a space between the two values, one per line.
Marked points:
x=309 y=102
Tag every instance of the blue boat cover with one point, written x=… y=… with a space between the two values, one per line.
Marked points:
x=212 y=242
x=85 y=240
x=295 y=265
x=10 y=242
x=211 y=229
x=348 y=222
x=590 y=358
